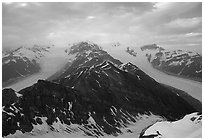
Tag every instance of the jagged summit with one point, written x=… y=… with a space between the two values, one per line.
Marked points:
x=85 y=55
x=83 y=46
x=106 y=64
x=107 y=71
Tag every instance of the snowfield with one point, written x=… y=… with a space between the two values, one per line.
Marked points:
x=188 y=127
x=61 y=130
x=191 y=87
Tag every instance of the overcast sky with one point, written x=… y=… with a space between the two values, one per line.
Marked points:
x=168 y=24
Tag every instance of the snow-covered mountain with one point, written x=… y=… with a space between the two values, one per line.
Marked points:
x=178 y=62
x=188 y=127
x=21 y=62
x=96 y=95
x=83 y=54
x=49 y=63
x=191 y=87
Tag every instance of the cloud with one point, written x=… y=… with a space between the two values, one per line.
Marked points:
x=23 y=4
x=193 y=34
x=91 y=17
x=7 y=3
x=61 y=23
x=185 y=23
x=181 y=25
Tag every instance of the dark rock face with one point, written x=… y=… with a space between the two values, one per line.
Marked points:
x=46 y=99
x=37 y=101
x=132 y=87
x=8 y=97
x=18 y=68
x=192 y=101
x=95 y=85
x=149 y=136
x=131 y=52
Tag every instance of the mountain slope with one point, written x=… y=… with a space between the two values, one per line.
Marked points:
x=83 y=54
x=49 y=64
x=191 y=87
x=108 y=107
x=95 y=96
x=182 y=63
x=188 y=127
x=21 y=62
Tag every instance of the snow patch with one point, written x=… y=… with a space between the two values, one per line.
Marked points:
x=18 y=95
x=70 y=106
x=199 y=71
x=98 y=83
x=174 y=63
x=189 y=126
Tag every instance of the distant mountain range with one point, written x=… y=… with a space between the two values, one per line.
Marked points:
x=186 y=64
x=95 y=95
x=21 y=62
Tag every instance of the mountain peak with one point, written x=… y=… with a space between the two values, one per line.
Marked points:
x=84 y=46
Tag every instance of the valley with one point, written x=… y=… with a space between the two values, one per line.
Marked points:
x=98 y=94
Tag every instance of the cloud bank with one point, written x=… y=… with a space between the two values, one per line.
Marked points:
x=169 y=24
